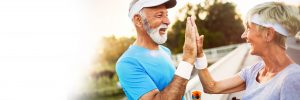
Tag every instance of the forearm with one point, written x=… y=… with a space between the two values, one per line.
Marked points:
x=234 y=89
x=208 y=83
x=174 y=91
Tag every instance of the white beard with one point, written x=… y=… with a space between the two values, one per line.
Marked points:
x=156 y=37
x=154 y=33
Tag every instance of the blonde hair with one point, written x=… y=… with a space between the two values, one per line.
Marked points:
x=287 y=16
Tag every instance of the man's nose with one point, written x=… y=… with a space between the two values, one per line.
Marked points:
x=166 y=21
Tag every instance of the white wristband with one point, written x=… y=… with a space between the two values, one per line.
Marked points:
x=184 y=70
x=201 y=63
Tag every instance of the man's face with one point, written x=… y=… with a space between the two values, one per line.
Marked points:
x=155 y=20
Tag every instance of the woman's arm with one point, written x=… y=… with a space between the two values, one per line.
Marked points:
x=229 y=85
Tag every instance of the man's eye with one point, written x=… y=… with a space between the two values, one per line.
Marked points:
x=159 y=16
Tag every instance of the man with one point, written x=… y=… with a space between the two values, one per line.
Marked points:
x=145 y=70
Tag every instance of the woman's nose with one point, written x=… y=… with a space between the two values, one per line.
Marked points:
x=244 y=35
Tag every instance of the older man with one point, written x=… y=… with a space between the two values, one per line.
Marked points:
x=145 y=70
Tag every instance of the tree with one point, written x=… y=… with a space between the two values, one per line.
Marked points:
x=223 y=18
x=217 y=21
x=112 y=49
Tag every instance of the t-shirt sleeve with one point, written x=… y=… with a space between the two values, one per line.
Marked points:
x=244 y=73
x=247 y=72
x=133 y=78
x=290 y=89
x=166 y=49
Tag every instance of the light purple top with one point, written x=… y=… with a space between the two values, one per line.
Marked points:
x=285 y=85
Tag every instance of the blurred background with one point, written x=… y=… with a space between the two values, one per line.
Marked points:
x=67 y=49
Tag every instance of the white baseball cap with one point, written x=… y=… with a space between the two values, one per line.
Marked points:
x=140 y=4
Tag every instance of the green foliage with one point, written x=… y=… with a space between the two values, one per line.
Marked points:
x=217 y=21
x=112 y=49
x=223 y=18
x=103 y=87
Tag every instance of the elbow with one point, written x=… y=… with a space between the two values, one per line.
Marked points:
x=211 y=89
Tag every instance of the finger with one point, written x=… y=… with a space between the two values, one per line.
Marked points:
x=191 y=30
x=198 y=41
x=194 y=24
x=187 y=28
x=188 y=33
x=201 y=41
x=193 y=20
x=193 y=35
x=194 y=28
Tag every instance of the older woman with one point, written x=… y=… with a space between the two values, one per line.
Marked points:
x=276 y=77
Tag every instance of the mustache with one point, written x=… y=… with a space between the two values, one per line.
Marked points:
x=163 y=26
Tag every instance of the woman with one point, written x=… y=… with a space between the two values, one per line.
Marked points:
x=276 y=77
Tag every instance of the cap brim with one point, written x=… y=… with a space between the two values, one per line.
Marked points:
x=170 y=3
x=167 y=3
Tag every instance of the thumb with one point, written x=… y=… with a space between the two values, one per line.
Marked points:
x=201 y=39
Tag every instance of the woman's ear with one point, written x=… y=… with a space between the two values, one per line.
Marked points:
x=270 y=35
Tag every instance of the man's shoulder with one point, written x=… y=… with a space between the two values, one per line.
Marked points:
x=165 y=49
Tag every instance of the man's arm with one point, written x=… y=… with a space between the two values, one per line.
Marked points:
x=175 y=90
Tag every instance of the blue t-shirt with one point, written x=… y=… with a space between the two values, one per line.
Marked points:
x=141 y=70
x=285 y=85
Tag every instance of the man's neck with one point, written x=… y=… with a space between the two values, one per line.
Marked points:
x=144 y=40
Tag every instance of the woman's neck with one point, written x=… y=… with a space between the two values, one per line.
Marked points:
x=275 y=59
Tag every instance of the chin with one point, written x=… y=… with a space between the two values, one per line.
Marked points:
x=252 y=51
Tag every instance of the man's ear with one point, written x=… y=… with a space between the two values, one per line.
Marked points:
x=270 y=35
x=137 y=19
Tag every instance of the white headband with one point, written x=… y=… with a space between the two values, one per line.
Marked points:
x=276 y=26
x=140 y=4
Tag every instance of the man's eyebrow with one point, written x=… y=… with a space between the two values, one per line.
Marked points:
x=161 y=12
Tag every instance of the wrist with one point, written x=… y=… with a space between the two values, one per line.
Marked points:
x=200 y=54
x=189 y=60
x=201 y=62
x=184 y=70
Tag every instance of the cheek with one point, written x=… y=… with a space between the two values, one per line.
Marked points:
x=155 y=23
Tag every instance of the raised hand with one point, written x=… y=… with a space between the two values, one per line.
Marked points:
x=190 y=47
x=199 y=40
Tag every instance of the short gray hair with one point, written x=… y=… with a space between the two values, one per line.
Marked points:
x=277 y=12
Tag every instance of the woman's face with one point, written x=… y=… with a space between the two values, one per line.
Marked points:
x=255 y=39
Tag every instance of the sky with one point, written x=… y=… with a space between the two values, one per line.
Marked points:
x=117 y=22
x=47 y=46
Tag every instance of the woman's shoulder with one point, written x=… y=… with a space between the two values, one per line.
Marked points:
x=292 y=70
x=291 y=74
x=290 y=85
x=255 y=67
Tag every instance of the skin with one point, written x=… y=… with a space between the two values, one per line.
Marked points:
x=263 y=45
x=155 y=17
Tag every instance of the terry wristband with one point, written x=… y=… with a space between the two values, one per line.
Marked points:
x=184 y=70
x=201 y=63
